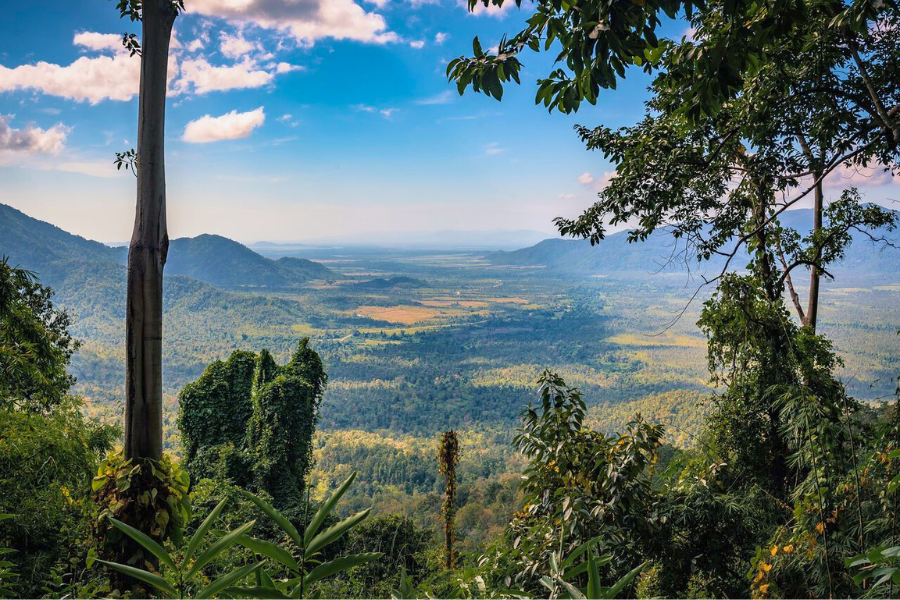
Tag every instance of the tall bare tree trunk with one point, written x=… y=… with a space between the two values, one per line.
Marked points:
x=149 y=244
x=812 y=308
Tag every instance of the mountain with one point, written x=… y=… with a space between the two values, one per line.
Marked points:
x=616 y=255
x=55 y=254
x=224 y=262
x=46 y=249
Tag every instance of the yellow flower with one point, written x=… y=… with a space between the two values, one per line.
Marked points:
x=788 y=549
x=774 y=550
x=758 y=577
x=765 y=567
x=764 y=588
x=820 y=527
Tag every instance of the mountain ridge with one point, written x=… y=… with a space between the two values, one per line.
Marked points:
x=50 y=252
x=615 y=254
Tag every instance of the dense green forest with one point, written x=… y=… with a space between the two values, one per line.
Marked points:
x=705 y=404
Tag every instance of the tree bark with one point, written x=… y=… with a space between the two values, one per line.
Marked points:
x=812 y=306
x=149 y=244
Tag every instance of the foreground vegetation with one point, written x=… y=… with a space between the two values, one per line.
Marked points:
x=785 y=491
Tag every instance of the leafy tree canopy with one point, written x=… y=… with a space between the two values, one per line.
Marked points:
x=35 y=344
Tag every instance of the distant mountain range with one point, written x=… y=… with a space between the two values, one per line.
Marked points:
x=52 y=253
x=499 y=239
x=661 y=252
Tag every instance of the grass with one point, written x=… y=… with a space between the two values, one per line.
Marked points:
x=407 y=315
x=666 y=339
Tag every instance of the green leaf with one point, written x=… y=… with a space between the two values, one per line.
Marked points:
x=574 y=592
x=142 y=575
x=273 y=551
x=617 y=588
x=201 y=531
x=276 y=516
x=593 y=587
x=223 y=582
x=146 y=542
x=573 y=556
x=220 y=545
x=338 y=565
x=335 y=531
x=324 y=511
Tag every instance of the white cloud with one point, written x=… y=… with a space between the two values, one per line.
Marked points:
x=195 y=45
x=284 y=67
x=235 y=46
x=378 y=3
x=30 y=140
x=493 y=10
x=417 y=44
x=585 y=178
x=566 y=196
x=844 y=177
x=202 y=77
x=305 y=20
x=286 y=117
x=231 y=126
x=444 y=97
x=98 y=41
x=493 y=148
x=384 y=112
x=85 y=80
x=441 y=37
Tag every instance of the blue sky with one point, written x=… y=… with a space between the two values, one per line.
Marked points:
x=291 y=120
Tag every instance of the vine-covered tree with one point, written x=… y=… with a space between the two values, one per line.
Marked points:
x=251 y=421
x=448 y=458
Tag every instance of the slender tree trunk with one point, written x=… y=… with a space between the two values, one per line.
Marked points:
x=812 y=307
x=149 y=244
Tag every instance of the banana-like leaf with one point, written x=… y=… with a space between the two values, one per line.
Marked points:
x=273 y=551
x=334 y=532
x=263 y=579
x=146 y=542
x=325 y=510
x=219 y=546
x=276 y=516
x=406 y=591
x=577 y=552
x=142 y=575
x=617 y=587
x=338 y=565
x=227 y=581
x=201 y=531
x=593 y=588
